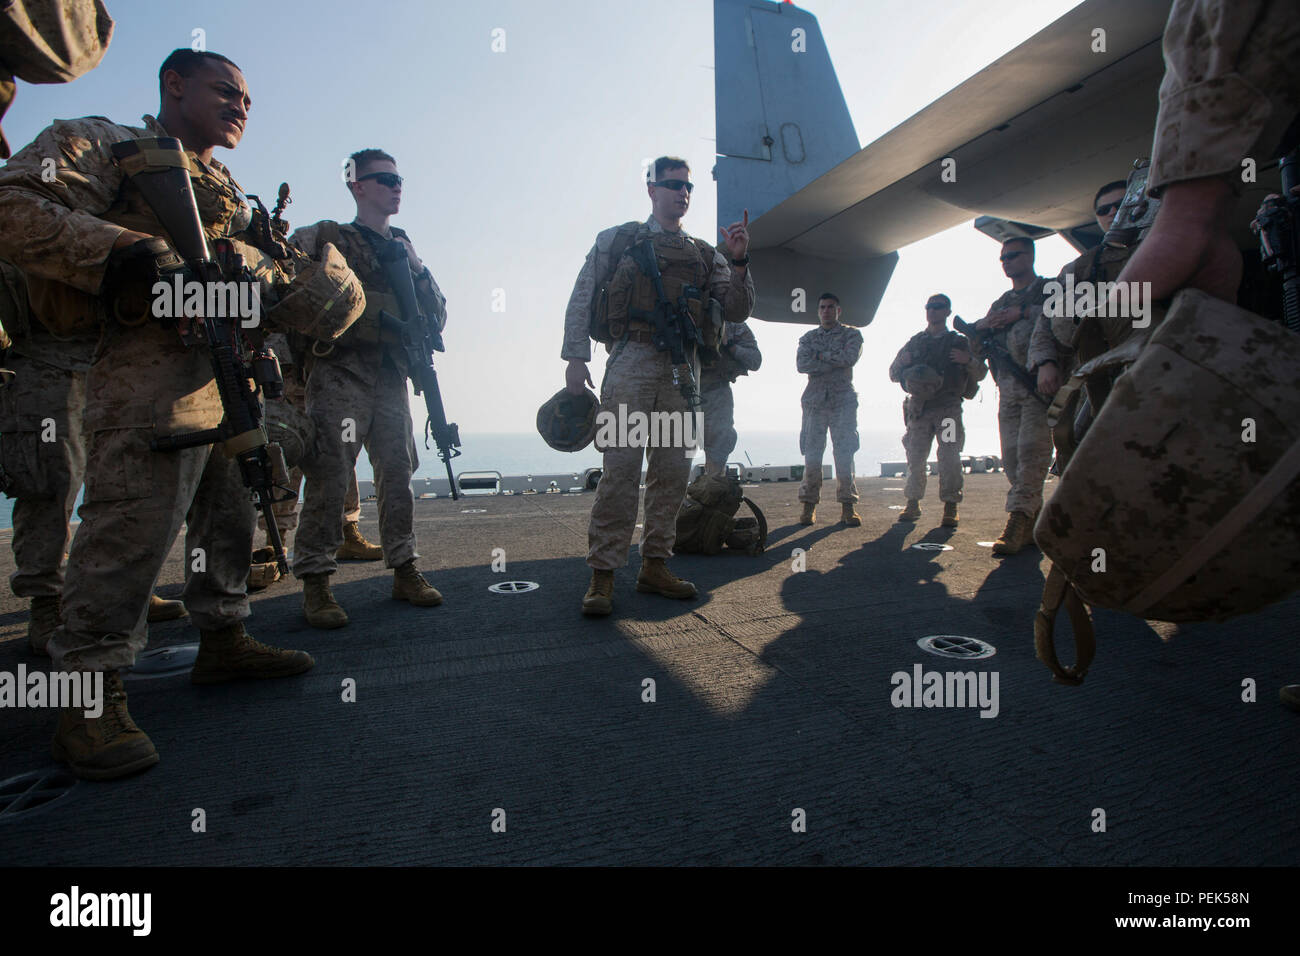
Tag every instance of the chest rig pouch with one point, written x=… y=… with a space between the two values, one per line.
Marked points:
x=684 y=269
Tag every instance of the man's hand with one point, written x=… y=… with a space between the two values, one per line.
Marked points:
x=1049 y=378
x=416 y=265
x=960 y=356
x=737 y=237
x=576 y=374
x=999 y=319
x=1189 y=245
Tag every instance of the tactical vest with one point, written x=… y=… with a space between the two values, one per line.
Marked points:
x=629 y=300
x=223 y=211
x=361 y=257
x=927 y=349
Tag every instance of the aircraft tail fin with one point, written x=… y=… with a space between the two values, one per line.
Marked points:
x=781 y=117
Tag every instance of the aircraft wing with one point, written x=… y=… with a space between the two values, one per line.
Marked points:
x=1031 y=137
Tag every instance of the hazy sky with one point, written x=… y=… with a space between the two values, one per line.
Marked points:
x=515 y=159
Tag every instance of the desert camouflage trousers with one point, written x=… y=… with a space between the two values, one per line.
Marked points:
x=837 y=413
x=43 y=459
x=718 y=405
x=350 y=411
x=286 y=512
x=1026 y=445
x=638 y=379
x=146 y=384
x=942 y=423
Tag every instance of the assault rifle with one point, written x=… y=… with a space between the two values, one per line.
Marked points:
x=242 y=365
x=420 y=337
x=1278 y=225
x=671 y=327
x=999 y=357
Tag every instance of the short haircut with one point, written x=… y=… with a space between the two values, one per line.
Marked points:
x=829 y=295
x=1117 y=184
x=1023 y=240
x=186 y=63
x=365 y=157
x=947 y=302
x=664 y=163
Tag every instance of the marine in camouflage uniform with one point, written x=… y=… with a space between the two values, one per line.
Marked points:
x=739 y=355
x=356 y=395
x=145 y=382
x=827 y=355
x=355 y=545
x=1230 y=91
x=1022 y=418
x=938 y=416
x=638 y=377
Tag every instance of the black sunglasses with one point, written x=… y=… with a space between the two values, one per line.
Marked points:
x=391 y=180
x=1109 y=207
x=1010 y=256
x=675 y=184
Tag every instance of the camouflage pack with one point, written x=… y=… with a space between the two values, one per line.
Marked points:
x=706 y=522
x=1180 y=503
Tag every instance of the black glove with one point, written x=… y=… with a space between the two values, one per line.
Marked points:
x=132 y=273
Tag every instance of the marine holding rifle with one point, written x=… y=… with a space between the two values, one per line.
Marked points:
x=356 y=393
x=94 y=241
x=1022 y=411
x=645 y=293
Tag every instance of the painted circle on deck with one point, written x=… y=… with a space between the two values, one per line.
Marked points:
x=513 y=587
x=897 y=507
x=957 y=646
x=163 y=662
x=931 y=546
x=33 y=791
x=473 y=511
x=986 y=544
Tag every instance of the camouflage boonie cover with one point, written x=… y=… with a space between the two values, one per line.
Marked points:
x=1196 y=522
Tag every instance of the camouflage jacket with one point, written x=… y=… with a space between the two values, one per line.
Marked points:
x=933 y=350
x=1230 y=89
x=1099 y=264
x=1015 y=337
x=827 y=356
x=361 y=348
x=739 y=356
x=737 y=297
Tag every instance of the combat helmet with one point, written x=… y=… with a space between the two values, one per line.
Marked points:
x=567 y=422
x=921 y=381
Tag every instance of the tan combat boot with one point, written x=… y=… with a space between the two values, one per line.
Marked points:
x=655 y=578
x=356 y=547
x=318 y=604
x=161 y=609
x=46 y=615
x=809 y=515
x=950 y=518
x=231 y=654
x=912 y=511
x=107 y=746
x=599 y=599
x=409 y=585
x=1019 y=532
x=850 y=516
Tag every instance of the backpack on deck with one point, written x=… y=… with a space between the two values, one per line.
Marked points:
x=706 y=522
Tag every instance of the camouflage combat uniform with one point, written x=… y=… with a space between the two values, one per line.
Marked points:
x=144 y=382
x=1022 y=418
x=829 y=402
x=42 y=447
x=359 y=387
x=1231 y=87
x=928 y=420
x=295 y=395
x=1064 y=340
x=638 y=377
x=739 y=356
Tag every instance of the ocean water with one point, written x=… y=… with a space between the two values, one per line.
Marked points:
x=526 y=454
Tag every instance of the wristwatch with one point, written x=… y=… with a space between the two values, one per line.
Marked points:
x=741 y=262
